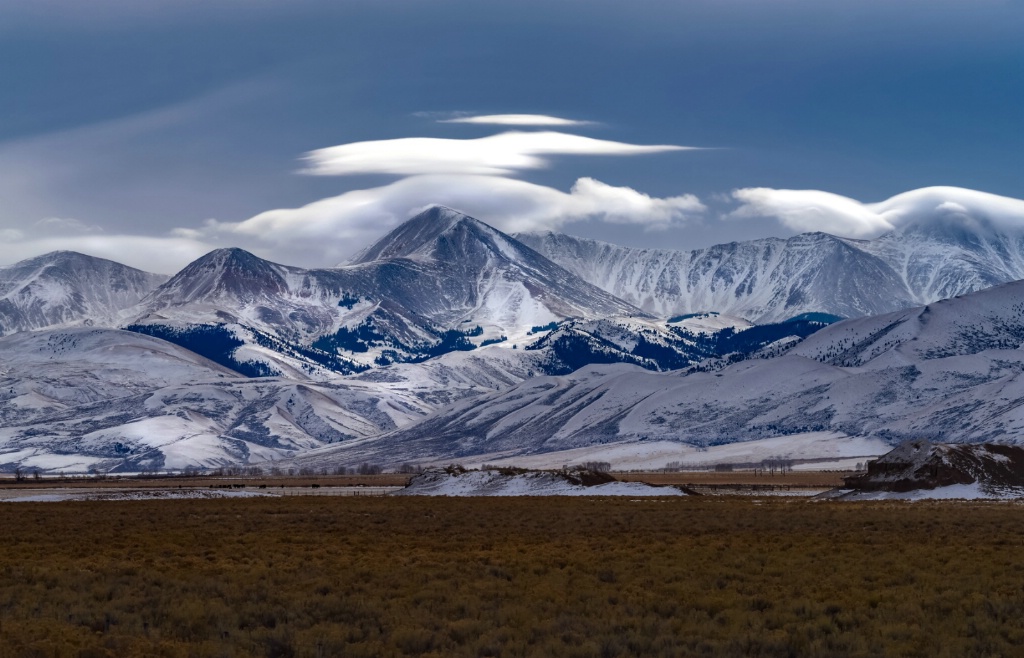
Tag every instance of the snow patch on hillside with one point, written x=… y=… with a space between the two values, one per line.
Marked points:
x=811 y=451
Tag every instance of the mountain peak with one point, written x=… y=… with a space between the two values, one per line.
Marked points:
x=62 y=257
x=228 y=253
x=67 y=288
x=234 y=259
x=417 y=235
x=73 y=269
x=231 y=271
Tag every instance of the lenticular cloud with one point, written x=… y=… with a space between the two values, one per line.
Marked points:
x=496 y=155
x=517 y=120
x=814 y=210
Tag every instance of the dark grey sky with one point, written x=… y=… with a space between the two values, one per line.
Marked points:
x=126 y=120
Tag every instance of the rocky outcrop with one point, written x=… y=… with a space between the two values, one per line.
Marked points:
x=916 y=465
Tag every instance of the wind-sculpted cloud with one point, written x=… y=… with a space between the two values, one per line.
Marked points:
x=517 y=120
x=337 y=226
x=813 y=210
x=496 y=155
x=472 y=175
x=810 y=210
x=331 y=229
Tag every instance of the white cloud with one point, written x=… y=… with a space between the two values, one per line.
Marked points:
x=338 y=226
x=517 y=120
x=951 y=206
x=153 y=254
x=810 y=210
x=331 y=229
x=593 y=199
x=813 y=210
x=465 y=174
x=496 y=155
x=62 y=225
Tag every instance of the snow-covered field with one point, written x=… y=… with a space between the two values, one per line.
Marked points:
x=60 y=495
x=493 y=483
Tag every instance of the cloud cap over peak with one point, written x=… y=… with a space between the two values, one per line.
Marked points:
x=495 y=155
x=336 y=226
x=814 y=210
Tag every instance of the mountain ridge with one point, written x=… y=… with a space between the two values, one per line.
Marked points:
x=429 y=286
x=952 y=371
x=938 y=249
x=463 y=341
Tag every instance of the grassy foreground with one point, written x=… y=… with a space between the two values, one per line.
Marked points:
x=510 y=577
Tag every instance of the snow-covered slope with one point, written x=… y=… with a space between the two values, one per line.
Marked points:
x=808 y=451
x=991 y=319
x=703 y=341
x=489 y=277
x=762 y=280
x=951 y=371
x=94 y=397
x=66 y=288
x=947 y=242
x=430 y=297
x=79 y=398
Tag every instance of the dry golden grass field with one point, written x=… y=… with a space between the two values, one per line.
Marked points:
x=339 y=576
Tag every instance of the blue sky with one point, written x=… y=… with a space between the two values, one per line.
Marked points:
x=164 y=128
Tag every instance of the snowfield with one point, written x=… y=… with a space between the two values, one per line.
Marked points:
x=494 y=483
x=56 y=496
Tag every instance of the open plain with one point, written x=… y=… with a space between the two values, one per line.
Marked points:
x=384 y=576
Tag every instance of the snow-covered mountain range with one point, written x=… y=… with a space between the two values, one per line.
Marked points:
x=448 y=339
x=440 y=282
x=943 y=246
x=952 y=371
